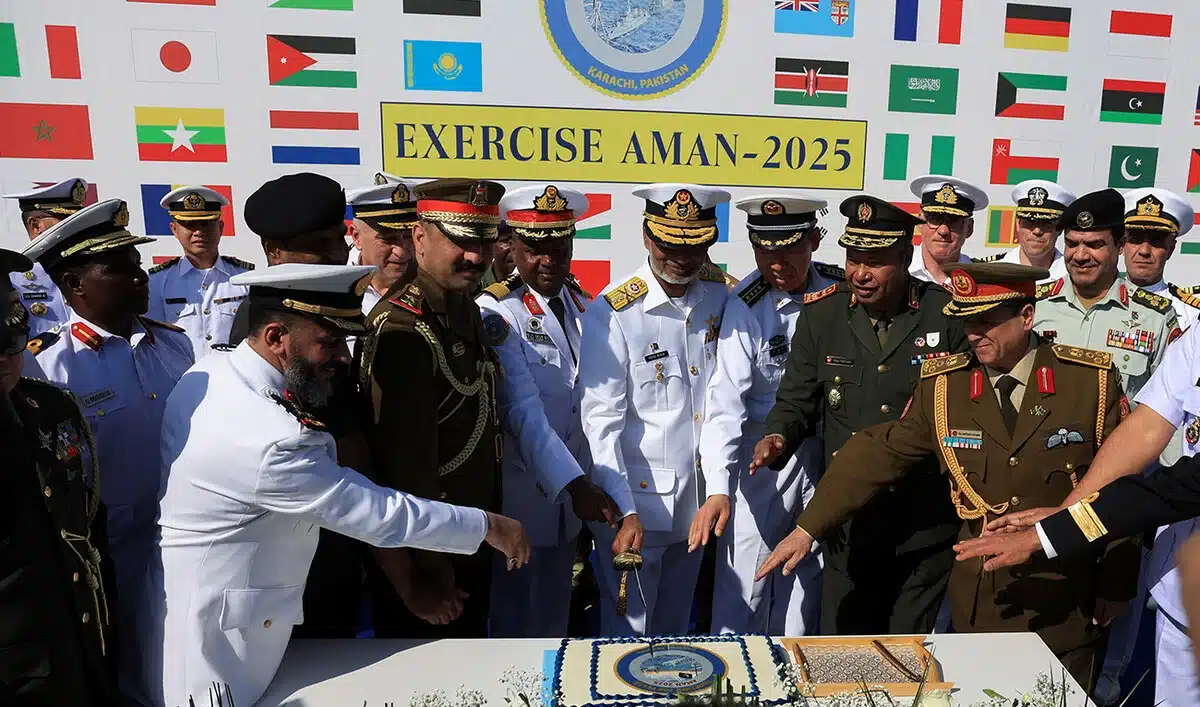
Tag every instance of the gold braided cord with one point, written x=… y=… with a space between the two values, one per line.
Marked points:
x=322 y=310
x=538 y=234
x=370 y=344
x=90 y=558
x=952 y=210
x=679 y=223
x=954 y=309
x=441 y=217
x=479 y=388
x=691 y=235
x=1038 y=213
x=1102 y=404
x=464 y=389
x=756 y=239
x=959 y=486
x=473 y=439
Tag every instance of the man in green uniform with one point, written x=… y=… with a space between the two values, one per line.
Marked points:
x=1012 y=424
x=854 y=360
x=501 y=265
x=431 y=377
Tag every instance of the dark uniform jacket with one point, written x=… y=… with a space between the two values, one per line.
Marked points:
x=837 y=373
x=1071 y=402
x=57 y=642
x=431 y=381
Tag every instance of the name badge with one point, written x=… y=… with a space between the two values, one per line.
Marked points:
x=778 y=351
x=223 y=300
x=839 y=361
x=176 y=300
x=656 y=356
x=963 y=439
x=35 y=295
x=538 y=337
x=98 y=397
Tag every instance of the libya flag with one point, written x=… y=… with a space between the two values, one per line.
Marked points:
x=303 y=60
x=1124 y=101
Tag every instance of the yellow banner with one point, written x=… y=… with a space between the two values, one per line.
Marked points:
x=586 y=145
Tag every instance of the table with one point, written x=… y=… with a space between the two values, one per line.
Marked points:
x=387 y=673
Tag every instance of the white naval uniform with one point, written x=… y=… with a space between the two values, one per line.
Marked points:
x=643 y=372
x=246 y=488
x=756 y=335
x=202 y=302
x=36 y=287
x=917 y=267
x=1058 y=268
x=544 y=450
x=1188 y=314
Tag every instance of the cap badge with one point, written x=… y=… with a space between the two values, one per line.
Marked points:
x=1037 y=196
x=964 y=284
x=946 y=195
x=479 y=195
x=400 y=194
x=1149 y=206
x=121 y=218
x=550 y=200
x=193 y=202
x=683 y=206
x=865 y=212
x=78 y=192
x=772 y=208
x=380 y=180
x=1085 y=219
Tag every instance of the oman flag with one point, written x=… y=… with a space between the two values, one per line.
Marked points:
x=1014 y=161
x=174 y=56
x=180 y=134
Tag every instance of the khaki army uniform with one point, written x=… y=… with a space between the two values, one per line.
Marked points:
x=1071 y=401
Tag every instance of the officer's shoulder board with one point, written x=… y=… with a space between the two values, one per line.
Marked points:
x=711 y=273
x=1086 y=357
x=820 y=294
x=238 y=262
x=1158 y=303
x=164 y=265
x=946 y=364
x=1186 y=295
x=162 y=325
x=1049 y=289
x=755 y=291
x=500 y=290
x=833 y=272
x=988 y=259
x=574 y=285
x=409 y=299
x=39 y=343
x=621 y=297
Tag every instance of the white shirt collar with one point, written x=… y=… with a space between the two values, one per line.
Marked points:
x=256 y=371
x=1157 y=287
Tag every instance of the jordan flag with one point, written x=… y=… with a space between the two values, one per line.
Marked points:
x=302 y=60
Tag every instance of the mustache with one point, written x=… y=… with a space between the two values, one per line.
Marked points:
x=465 y=266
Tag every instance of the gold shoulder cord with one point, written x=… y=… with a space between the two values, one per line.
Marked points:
x=370 y=344
x=959 y=485
x=1102 y=405
x=478 y=388
x=87 y=554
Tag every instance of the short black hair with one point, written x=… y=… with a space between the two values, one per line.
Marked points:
x=259 y=317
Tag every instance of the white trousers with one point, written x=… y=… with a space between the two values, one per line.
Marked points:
x=534 y=601
x=1175 y=681
x=668 y=579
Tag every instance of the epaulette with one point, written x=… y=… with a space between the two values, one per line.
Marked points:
x=41 y=341
x=711 y=273
x=168 y=263
x=1087 y=357
x=305 y=419
x=621 y=297
x=988 y=259
x=731 y=281
x=237 y=262
x=574 y=285
x=409 y=299
x=225 y=348
x=1158 y=303
x=946 y=364
x=832 y=272
x=755 y=291
x=820 y=294
x=1050 y=289
x=1185 y=295
x=162 y=325
x=500 y=290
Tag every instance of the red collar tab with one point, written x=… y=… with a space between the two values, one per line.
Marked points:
x=148 y=328
x=532 y=305
x=1124 y=295
x=87 y=335
x=1045 y=376
x=576 y=300
x=976 y=383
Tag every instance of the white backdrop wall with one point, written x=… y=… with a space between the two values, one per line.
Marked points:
x=77 y=78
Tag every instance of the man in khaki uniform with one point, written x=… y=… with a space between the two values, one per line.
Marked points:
x=1013 y=424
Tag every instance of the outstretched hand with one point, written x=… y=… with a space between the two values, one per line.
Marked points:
x=1013 y=522
x=794 y=548
x=1003 y=549
x=766 y=452
x=711 y=518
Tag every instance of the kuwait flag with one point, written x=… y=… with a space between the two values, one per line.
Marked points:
x=1002 y=226
x=1139 y=34
x=1014 y=161
x=47 y=131
x=1037 y=96
x=180 y=134
x=1037 y=27
x=1193 y=180
x=299 y=60
x=594 y=230
x=1124 y=101
x=315 y=129
x=175 y=56
x=897 y=153
x=811 y=82
x=158 y=221
x=916 y=18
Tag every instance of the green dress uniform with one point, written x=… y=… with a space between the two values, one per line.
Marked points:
x=885 y=572
x=1063 y=403
x=431 y=379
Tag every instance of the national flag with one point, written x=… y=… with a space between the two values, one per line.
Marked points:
x=598 y=204
x=593 y=275
x=800 y=5
x=175 y=56
x=461 y=8
x=306 y=122
x=722 y=222
x=10 y=63
x=1038 y=27
x=811 y=82
x=915 y=18
x=1124 y=101
x=1197 y=118
x=913 y=208
x=1015 y=161
x=896 y=155
x=312 y=61
x=177 y=2
x=832 y=18
x=180 y=134
x=343 y=5
x=62 y=49
x=1132 y=167
x=45 y=131
x=1139 y=34
x=1002 y=226
x=923 y=89
x=158 y=221
x=1193 y=179
x=1038 y=96
x=90 y=195
x=443 y=66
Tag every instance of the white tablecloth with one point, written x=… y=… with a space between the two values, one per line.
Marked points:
x=379 y=673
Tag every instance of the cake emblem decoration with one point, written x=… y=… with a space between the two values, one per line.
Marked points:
x=670 y=669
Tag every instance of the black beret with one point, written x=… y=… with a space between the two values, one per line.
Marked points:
x=1099 y=211
x=295 y=205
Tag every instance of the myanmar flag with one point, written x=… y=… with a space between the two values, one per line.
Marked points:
x=180 y=134
x=300 y=60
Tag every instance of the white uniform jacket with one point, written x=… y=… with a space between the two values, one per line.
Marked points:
x=644 y=368
x=247 y=484
x=1186 y=304
x=202 y=302
x=39 y=294
x=1058 y=268
x=544 y=447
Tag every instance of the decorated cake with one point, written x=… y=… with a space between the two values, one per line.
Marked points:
x=623 y=671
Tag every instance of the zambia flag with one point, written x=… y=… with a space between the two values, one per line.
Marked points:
x=300 y=60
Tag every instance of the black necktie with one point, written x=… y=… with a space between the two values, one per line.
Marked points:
x=1006 y=385
x=560 y=313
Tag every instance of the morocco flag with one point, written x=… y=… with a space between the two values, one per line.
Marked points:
x=45 y=131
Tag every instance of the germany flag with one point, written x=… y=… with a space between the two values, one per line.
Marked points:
x=1037 y=27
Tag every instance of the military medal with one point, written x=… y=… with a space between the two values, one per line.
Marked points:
x=919 y=342
x=67 y=446
x=835 y=398
x=714 y=329
x=29 y=275
x=1038 y=411
x=963 y=439
x=1192 y=432
x=933 y=338
x=38 y=309
x=46 y=439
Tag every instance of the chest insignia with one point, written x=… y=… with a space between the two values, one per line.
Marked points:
x=963 y=439
x=176 y=300
x=38 y=309
x=976 y=383
x=1123 y=407
x=1192 y=432
x=1063 y=437
x=1038 y=411
x=1045 y=379
x=66 y=441
x=842 y=361
x=35 y=296
x=919 y=342
x=1138 y=340
x=46 y=439
x=98 y=397
x=458 y=349
x=835 y=398
x=933 y=338
x=922 y=358
x=656 y=356
x=495 y=330
x=714 y=329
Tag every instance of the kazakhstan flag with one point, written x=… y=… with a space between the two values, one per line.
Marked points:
x=443 y=66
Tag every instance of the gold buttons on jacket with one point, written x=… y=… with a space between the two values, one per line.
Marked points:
x=267 y=623
x=100 y=413
x=48 y=492
x=644 y=485
x=1013 y=461
x=153 y=396
x=882 y=368
x=697 y=417
x=658 y=377
x=694 y=371
x=86 y=618
x=1069 y=466
x=837 y=379
x=1014 y=501
x=885 y=408
x=75 y=577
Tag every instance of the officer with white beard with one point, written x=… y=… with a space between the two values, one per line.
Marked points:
x=647 y=354
x=756 y=331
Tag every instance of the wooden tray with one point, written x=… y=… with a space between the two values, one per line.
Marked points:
x=844 y=660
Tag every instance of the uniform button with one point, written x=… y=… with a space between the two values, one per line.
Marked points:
x=86 y=618
x=658 y=366
x=206 y=310
x=1069 y=466
x=204 y=286
x=643 y=484
x=543 y=362
x=697 y=420
x=658 y=377
x=153 y=396
x=693 y=370
x=63 y=533
x=267 y=623
x=75 y=577
x=837 y=379
x=1014 y=501
x=831 y=456
x=687 y=322
x=208 y=337
x=1126 y=357
x=885 y=408
x=882 y=368
x=442 y=495
x=48 y=492
x=100 y=413
x=1012 y=461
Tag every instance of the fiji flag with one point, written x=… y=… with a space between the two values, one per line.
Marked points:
x=443 y=66
x=830 y=18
